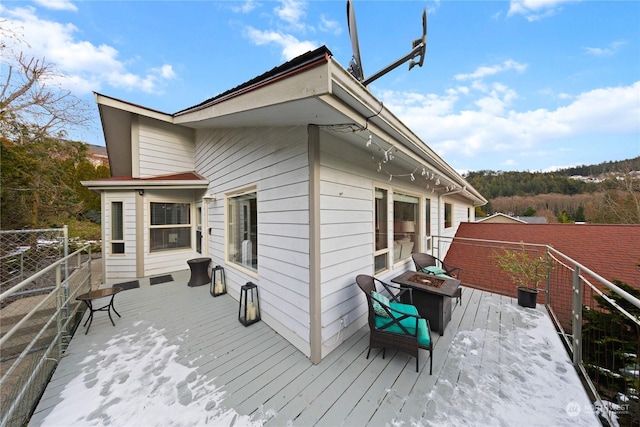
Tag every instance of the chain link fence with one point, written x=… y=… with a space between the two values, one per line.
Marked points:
x=25 y=252
x=38 y=314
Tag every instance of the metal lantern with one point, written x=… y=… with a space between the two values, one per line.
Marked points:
x=218 y=281
x=249 y=307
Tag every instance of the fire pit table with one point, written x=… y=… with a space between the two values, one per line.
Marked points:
x=431 y=296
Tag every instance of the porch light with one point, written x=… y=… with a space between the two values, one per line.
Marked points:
x=249 y=306
x=218 y=281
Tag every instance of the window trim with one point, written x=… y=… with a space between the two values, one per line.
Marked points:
x=387 y=250
x=111 y=226
x=190 y=225
x=419 y=226
x=253 y=189
x=451 y=214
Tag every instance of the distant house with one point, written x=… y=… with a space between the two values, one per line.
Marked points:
x=501 y=218
x=297 y=180
x=98 y=155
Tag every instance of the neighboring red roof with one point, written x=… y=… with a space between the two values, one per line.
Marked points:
x=612 y=251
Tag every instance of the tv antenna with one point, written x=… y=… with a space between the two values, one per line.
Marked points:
x=419 y=47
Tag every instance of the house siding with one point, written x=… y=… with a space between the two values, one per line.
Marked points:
x=348 y=179
x=119 y=266
x=275 y=161
x=158 y=142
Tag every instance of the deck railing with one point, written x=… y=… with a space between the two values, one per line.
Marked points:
x=598 y=320
x=36 y=330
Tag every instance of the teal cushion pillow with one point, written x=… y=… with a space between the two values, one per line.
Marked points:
x=432 y=269
x=377 y=308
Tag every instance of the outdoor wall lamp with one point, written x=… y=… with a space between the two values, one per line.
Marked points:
x=141 y=192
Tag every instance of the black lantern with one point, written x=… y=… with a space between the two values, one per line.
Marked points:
x=218 y=282
x=249 y=307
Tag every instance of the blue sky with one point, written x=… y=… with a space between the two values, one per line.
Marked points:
x=506 y=85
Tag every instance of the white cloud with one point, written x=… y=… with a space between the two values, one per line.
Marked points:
x=609 y=50
x=57 y=4
x=244 y=7
x=82 y=66
x=534 y=10
x=329 y=25
x=292 y=12
x=490 y=126
x=290 y=45
x=484 y=71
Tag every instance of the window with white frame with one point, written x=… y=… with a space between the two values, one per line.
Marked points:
x=117 y=228
x=381 y=255
x=448 y=215
x=170 y=226
x=242 y=229
x=427 y=223
x=405 y=226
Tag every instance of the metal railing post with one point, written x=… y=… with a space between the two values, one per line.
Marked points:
x=576 y=312
x=59 y=306
x=547 y=299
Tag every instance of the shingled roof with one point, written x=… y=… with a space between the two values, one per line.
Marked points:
x=612 y=251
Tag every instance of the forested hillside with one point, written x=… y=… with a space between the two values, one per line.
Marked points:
x=605 y=193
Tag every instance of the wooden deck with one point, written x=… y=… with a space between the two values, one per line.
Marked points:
x=265 y=377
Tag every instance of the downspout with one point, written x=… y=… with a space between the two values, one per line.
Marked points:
x=315 y=307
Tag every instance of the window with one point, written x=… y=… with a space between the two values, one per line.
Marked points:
x=117 y=228
x=199 y=235
x=405 y=226
x=242 y=230
x=448 y=215
x=170 y=226
x=427 y=223
x=381 y=231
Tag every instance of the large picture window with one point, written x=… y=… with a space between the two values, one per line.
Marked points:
x=381 y=255
x=405 y=226
x=170 y=226
x=242 y=230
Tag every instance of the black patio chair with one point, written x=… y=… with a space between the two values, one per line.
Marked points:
x=394 y=324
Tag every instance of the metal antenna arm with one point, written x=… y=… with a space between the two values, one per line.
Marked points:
x=417 y=50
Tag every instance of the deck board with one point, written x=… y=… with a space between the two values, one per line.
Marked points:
x=265 y=377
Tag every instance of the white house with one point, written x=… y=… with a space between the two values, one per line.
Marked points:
x=297 y=181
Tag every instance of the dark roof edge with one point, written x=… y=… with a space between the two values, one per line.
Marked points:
x=301 y=62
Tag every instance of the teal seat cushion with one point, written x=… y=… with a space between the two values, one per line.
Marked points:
x=432 y=269
x=424 y=339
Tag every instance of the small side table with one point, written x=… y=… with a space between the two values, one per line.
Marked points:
x=199 y=271
x=100 y=293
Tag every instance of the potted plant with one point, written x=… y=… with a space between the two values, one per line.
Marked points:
x=526 y=271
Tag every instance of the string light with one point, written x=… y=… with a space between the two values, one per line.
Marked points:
x=388 y=156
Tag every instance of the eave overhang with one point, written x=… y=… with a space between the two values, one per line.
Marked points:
x=185 y=181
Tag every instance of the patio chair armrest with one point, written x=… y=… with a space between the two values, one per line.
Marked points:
x=452 y=270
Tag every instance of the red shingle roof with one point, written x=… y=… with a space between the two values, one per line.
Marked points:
x=612 y=251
